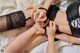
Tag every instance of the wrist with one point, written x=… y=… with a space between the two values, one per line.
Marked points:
x=34 y=28
x=51 y=36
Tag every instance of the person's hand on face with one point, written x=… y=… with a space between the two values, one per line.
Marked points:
x=39 y=13
x=51 y=29
x=40 y=29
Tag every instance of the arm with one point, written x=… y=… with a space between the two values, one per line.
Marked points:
x=68 y=38
x=20 y=42
x=51 y=45
x=48 y=3
x=36 y=40
x=50 y=33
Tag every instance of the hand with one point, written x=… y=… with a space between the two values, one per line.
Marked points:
x=39 y=13
x=40 y=30
x=51 y=29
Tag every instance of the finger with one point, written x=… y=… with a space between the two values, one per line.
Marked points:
x=50 y=24
x=47 y=28
x=36 y=14
x=54 y=26
x=41 y=15
x=34 y=10
x=34 y=17
x=37 y=21
x=43 y=19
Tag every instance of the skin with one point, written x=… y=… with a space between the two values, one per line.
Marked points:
x=51 y=35
x=18 y=47
x=16 y=44
x=62 y=25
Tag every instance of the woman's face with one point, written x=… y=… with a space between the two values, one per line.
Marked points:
x=44 y=24
x=31 y=21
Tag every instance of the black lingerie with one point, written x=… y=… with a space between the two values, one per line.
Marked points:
x=15 y=20
x=73 y=18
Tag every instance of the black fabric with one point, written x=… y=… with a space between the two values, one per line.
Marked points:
x=15 y=20
x=52 y=11
x=74 y=18
x=9 y=22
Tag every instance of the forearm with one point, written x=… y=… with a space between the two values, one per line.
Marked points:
x=51 y=45
x=35 y=41
x=68 y=38
x=49 y=2
x=20 y=42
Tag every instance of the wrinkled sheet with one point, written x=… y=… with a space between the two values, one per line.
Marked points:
x=8 y=6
